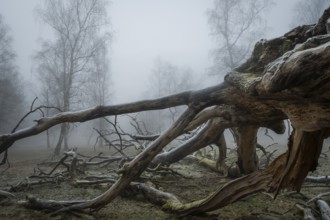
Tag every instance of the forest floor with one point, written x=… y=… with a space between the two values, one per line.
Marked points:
x=197 y=183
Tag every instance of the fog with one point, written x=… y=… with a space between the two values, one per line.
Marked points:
x=142 y=31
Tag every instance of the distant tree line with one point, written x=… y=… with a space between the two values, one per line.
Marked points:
x=11 y=85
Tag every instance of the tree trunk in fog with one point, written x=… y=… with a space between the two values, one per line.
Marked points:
x=48 y=139
x=101 y=128
x=62 y=138
x=77 y=54
x=66 y=137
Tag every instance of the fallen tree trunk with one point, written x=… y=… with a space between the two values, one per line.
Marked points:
x=281 y=80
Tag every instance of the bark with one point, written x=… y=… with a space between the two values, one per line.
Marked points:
x=152 y=194
x=205 y=137
x=203 y=98
x=222 y=146
x=212 y=133
x=48 y=139
x=247 y=160
x=133 y=169
x=101 y=128
x=61 y=138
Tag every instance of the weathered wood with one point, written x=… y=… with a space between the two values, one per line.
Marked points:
x=152 y=194
x=286 y=172
x=206 y=136
x=317 y=179
x=282 y=80
x=222 y=146
x=247 y=159
x=134 y=168
x=203 y=97
x=324 y=209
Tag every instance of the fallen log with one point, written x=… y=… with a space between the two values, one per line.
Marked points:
x=150 y=193
x=317 y=179
x=281 y=80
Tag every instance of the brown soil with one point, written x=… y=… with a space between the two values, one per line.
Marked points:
x=200 y=183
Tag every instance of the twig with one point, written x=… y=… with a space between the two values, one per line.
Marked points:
x=118 y=133
x=109 y=142
x=319 y=196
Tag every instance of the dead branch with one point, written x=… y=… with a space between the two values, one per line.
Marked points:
x=110 y=144
x=152 y=194
x=317 y=179
x=7 y=194
x=61 y=162
x=318 y=197
x=145 y=137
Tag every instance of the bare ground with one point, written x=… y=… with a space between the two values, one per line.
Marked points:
x=200 y=183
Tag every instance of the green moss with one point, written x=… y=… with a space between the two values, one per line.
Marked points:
x=248 y=81
x=287 y=44
x=176 y=206
x=250 y=75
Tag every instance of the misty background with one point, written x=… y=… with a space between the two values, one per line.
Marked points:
x=177 y=31
x=166 y=37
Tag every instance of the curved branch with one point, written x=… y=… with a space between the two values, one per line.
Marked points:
x=204 y=97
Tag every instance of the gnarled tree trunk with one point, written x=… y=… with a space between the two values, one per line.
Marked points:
x=281 y=80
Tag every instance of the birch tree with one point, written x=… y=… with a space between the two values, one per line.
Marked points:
x=65 y=62
x=11 y=91
x=235 y=25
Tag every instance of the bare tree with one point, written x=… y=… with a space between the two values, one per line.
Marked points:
x=308 y=12
x=98 y=86
x=236 y=25
x=65 y=63
x=11 y=91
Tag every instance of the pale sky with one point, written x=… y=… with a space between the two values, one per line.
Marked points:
x=175 y=30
